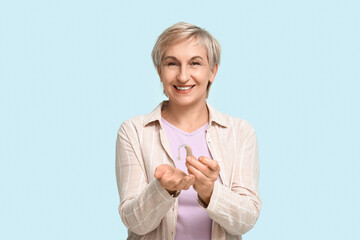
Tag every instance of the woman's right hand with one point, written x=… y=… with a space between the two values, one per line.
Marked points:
x=173 y=179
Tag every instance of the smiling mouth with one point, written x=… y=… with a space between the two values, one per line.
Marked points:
x=184 y=88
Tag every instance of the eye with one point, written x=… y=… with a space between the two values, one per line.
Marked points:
x=195 y=63
x=171 y=64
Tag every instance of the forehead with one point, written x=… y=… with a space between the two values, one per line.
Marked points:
x=186 y=48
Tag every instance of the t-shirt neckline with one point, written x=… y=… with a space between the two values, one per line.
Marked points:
x=200 y=129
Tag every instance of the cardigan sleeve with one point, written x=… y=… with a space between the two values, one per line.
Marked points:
x=143 y=204
x=237 y=208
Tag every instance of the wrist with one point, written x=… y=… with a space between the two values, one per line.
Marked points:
x=204 y=201
x=205 y=197
x=173 y=193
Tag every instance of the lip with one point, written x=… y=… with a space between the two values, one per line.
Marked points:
x=183 y=91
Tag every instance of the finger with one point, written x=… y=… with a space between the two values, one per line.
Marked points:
x=212 y=164
x=199 y=176
x=185 y=182
x=179 y=184
x=188 y=181
x=173 y=179
x=159 y=173
x=177 y=173
x=196 y=164
x=189 y=158
x=161 y=170
x=207 y=171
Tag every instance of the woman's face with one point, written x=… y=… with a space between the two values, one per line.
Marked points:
x=185 y=73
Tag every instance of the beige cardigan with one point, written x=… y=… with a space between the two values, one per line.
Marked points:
x=147 y=209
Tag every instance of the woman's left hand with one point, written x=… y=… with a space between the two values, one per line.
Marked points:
x=206 y=172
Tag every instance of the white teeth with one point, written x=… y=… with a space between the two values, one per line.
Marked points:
x=183 y=88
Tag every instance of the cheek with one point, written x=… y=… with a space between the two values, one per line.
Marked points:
x=166 y=85
x=165 y=82
x=203 y=75
x=166 y=78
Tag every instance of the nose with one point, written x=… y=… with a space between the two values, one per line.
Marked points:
x=183 y=75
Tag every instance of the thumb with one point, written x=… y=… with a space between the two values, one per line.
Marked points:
x=160 y=171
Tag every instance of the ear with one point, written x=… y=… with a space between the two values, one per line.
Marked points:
x=213 y=73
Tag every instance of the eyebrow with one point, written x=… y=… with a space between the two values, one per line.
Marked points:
x=196 y=57
x=174 y=58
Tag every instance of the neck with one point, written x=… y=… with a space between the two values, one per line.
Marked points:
x=186 y=118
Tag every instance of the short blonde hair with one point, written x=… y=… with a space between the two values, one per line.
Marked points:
x=184 y=31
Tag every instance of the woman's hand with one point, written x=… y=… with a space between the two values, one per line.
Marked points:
x=206 y=172
x=173 y=179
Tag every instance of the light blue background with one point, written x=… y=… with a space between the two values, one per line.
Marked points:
x=72 y=71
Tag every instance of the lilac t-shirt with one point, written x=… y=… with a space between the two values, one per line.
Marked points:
x=192 y=221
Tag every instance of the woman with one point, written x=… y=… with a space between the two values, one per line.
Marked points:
x=212 y=194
